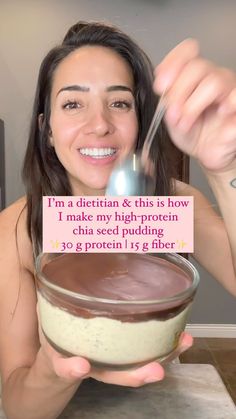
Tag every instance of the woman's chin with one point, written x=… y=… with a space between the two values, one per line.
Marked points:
x=93 y=189
x=98 y=187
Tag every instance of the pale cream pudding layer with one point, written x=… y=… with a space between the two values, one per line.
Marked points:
x=104 y=340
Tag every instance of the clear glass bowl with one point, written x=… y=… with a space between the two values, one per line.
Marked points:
x=114 y=333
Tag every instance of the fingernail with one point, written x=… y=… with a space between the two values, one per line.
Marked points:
x=151 y=379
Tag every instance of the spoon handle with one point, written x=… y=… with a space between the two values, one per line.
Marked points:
x=157 y=117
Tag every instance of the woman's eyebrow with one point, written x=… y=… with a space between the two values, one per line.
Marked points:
x=119 y=87
x=74 y=87
x=79 y=88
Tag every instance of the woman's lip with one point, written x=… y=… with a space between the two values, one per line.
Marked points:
x=99 y=161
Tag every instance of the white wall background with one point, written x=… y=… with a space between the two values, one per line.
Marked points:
x=28 y=29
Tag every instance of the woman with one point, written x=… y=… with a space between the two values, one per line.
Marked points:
x=93 y=104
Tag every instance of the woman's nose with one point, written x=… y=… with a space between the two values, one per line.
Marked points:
x=98 y=123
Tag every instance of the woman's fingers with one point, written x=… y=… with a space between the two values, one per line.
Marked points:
x=207 y=93
x=228 y=106
x=193 y=85
x=211 y=91
x=174 y=62
x=186 y=83
x=185 y=342
x=149 y=373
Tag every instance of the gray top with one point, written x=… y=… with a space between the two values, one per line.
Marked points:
x=189 y=391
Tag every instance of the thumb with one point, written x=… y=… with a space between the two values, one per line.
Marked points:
x=68 y=368
x=64 y=367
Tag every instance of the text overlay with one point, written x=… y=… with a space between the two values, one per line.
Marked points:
x=96 y=224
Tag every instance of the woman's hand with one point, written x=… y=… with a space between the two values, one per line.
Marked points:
x=76 y=368
x=201 y=106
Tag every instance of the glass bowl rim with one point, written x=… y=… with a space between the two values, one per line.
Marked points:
x=77 y=296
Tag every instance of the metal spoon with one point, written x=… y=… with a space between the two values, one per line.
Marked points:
x=133 y=176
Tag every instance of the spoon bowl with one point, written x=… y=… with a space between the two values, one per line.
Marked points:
x=129 y=178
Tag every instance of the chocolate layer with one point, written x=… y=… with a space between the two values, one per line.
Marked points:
x=126 y=277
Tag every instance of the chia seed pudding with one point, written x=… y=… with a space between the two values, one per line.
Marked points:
x=116 y=310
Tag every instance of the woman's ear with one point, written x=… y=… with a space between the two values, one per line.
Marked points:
x=50 y=138
x=40 y=124
x=40 y=121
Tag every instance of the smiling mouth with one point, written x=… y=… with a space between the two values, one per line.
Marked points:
x=98 y=153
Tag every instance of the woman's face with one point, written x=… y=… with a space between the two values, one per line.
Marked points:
x=93 y=118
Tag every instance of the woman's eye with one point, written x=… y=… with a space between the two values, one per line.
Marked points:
x=121 y=104
x=72 y=105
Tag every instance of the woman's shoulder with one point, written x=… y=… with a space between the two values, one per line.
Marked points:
x=13 y=227
x=20 y=202
x=12 y=215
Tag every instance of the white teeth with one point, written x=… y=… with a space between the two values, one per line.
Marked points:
x=97 y=152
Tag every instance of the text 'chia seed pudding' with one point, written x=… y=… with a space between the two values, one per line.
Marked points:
x=116 y=310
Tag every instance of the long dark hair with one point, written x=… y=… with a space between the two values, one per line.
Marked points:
x=43 y=174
